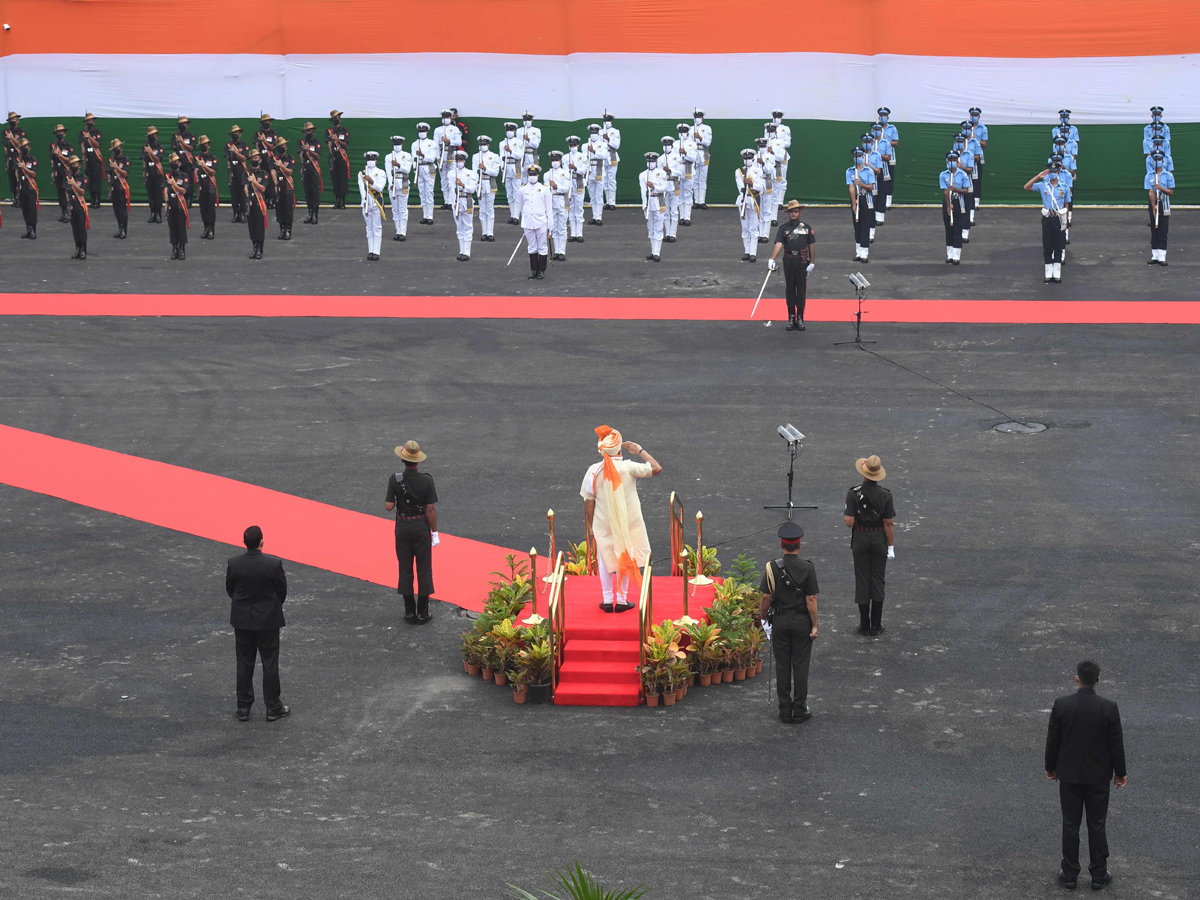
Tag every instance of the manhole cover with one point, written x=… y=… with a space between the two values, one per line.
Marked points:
x=467 y=614
x=1020 y=427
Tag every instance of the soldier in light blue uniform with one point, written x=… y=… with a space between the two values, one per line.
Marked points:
x=1064 y=132
x=875 y=162
x=1161 y=185
x=1064 y=119
x=980 y=133
x=1068 y=179
x=976 y=149
x=956 y=187
x=1157 y=132
x=1156 y=119
x=883 y=146
x=1070 y=174
x=1053 y=192
x=861 y=185
x=892 y=135
x=966 y=162
x=1157 y=146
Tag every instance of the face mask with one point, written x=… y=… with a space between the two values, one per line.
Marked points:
x=776 y=119
x=174 y=167
x=974 y=120
x=458 y=164
x=1052 y=178
x=866 y=146
x=883 y=119
x=421 y=135
x=397 y=149
x=511 y=132
x=528 y=123
x=698 y=121
x=555 y=164
x=652 y=164
x=370 y=163
x=445 y=121
x=533 y=179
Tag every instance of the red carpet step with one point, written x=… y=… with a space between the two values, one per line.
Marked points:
x=600 y=657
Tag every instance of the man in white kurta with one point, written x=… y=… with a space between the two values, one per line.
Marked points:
x=613 y=514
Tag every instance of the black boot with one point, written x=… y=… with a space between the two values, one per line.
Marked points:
x=28 y=232
x=316 y=217
x=254 y=251
x=153 y=218
x=410 y=609
x=423 y=613
x=864 y=618
x=793 y=324
x=182 y=252
x=174 y=251
x=541 y=266
x=83 y=251
x=75 y=255
x=260 y=250
x=288 y=235
x=534 y=271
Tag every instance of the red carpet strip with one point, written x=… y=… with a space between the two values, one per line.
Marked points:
x=209 y=506
x=1002 y=312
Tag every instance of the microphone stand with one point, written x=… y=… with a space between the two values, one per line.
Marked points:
x=792 y=445
x=860 y=293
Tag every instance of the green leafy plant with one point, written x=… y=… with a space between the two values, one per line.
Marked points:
x=509 y=593
x=537 y=659
x=577 y=883
x=743 y=570
x=472 y=648
x=507 y=641
x=706 y=644
x=577 y=558
x=712 y=565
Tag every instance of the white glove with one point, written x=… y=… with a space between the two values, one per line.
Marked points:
x=437 y=540
x=891 y=552
x=767 y=629
x=811 y=266
x=772 y=265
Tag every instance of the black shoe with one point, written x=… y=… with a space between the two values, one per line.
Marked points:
x=540 y=275
x=876 y=632
x=954 y=262
x=281 y=712
x=513 y=220
x=1056 y=280
x=182 y=252
x=774 y=222
x=864 y=630
x=152 y=219
x=426 y=222
x=1065 y=882
x=752 y=258
x=396 y=237
x=671 y=239
x=558 y=257
x=444 y=206
x=579 y=240
x=259 y=252
x=685 y=221
x=792 y=326
x=243 y=714
x=762 y=240
x=533 y=275
x=595 y=222
x=28 y=232
x=1162 y=262
x=949 y=260
x=402 y=237
x=610 y=206
x=1068 y=241
x=287 y=234
x=606 y=607
x=410 y=618
x=745 y=257
x=656 y=258
x=802 y=326
x=1098 y=884
x=460 y=257
x=700 y=206
x=966 y=240
x=649 y=257
x=786 y=719
x=75 y=255
x=802 y=717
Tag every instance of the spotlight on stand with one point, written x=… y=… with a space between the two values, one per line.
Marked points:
x=792 y=435
x=860 y=291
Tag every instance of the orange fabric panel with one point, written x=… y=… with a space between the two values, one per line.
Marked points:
x=994 y=28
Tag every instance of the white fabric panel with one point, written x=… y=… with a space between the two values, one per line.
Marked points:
x=832 y=86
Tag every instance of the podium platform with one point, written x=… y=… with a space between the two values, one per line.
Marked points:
x=600 y=655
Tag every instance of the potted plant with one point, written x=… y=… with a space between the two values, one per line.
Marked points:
x=537 y=659
x=650 y=680
x=507 y=639
x=519 y=678
x=705 y=643
x=679 y=670
x=471 y=652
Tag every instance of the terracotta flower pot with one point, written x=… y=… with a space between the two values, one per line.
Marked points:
x=691 y=682
x=488 y=674
x=680 y=694
x=669 y=698
x=758 y=668
x=472 y=669
x=705 y=680
x=501 y=677
x=652 y=699
x=751 y=670
x=739 y=674
x=519 y=696
x=727 y=676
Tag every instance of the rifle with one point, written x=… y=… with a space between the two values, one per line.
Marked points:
x=180 y=193
x=117 y=170
x=90 y=139
x=76 y=189
x=1158 y=198
x=155 y=157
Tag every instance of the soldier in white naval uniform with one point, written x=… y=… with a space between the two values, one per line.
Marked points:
x=448 y=140
x=531 y=137
x=703 y=137
x=398 y=166
x=654 y=186
x=689 y=152
x=576 y=163
x=750 y=186
x=424 y=155
x=487 y=167
x=512 y=151
x=672 y=166
x=597 y=153
x=612 y=139
x=561 y=188
x=537 y=213
x=371 y=184
x=463 y=183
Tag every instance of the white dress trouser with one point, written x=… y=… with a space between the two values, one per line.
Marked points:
x=765 y=214
x=701 y=182
x=487 y=211
x=537 y=239
x=750 y=229
x=777 y=199
x=374 y=224
x=610 y=184
x=512 y=190
x=686 y=195
x=447 y=175
x=464 y=227
x=575 y=217
x=606 y=584
x=655 y=226
x=425 y=190
x=559 y=228
x=400 y=211
x=596 y=198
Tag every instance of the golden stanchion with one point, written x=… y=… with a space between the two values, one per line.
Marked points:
x=549 y=577
x=699 y=579
x=684 y=620
x=533 y=619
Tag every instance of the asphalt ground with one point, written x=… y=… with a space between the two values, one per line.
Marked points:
x=123 y=772
x=1106 y=259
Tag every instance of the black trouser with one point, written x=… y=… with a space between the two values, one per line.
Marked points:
x=312 y=190
x=29 y=206
x=208 y=207
x=341 y=176
x=795 y=275
x=869 y=549
x=120 y=205
x=953 y=224
x=60 y=185
x=177 y=223
x=256 y=220
x=1158 y=236
x=285 y=207
x=79 y=225
x=413 y=544
x=1075 y=798
x=978 y=181
x=865 y=221
x=154 y=191
x=269 y=193
x=885 y=189
x=1054 y=240
x=252 y=644
x=95 y=178
x=237 y=197
x=793 y=652
x=969 y=203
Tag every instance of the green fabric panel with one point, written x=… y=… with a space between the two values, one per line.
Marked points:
x=1111 y=164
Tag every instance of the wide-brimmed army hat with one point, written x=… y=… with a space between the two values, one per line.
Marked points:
x=795 y=204
x=871 y=468
x=411 y=452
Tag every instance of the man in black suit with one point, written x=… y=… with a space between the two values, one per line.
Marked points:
x=1084 y=749
x=257 y=588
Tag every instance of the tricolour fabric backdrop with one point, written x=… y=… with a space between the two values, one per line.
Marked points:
x=388 y=64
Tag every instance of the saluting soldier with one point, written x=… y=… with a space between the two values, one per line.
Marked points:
x=77 y=206
x=337 y=137
x=1160 y=184
x=93 y=158
x=1053 y=192
x=236 y=153
x=183 y=142
x=750 y=186
x=797 y=241
x=27 y=189
x=283 y=173
x=13 y=135
x=413 y=496
x=60 y=152
x=869 y=514
x=256 y=197
x=152 y=173
x=576 y=162
x=860 y=182
x=955 y=185
x=175 y=185
x=371 y=184
x=118 y=186
x=314 y=182
x=264 y=142
x=398 y=166
x=205 y=171
x=788 y=603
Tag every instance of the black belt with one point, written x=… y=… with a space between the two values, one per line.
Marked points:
x=412 y=517
x=868 y=528
x=794 y=254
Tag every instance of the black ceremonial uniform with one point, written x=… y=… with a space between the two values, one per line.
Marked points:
x=790 y=580
x=93 y=162
x=208 y=193
x=13 y=134
x=236 y=153
x=27 y=191
x=339 y=161
x=118 y=190
x=175 y=188
x=264 y=140
x=256 y=218
x=152 y=171
x=310 y=152
x=412 y=491
x=77 y=210
x=796 y=238
x=285 y=193
x=183 y=142
x=60 y=151
x=869 y=504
